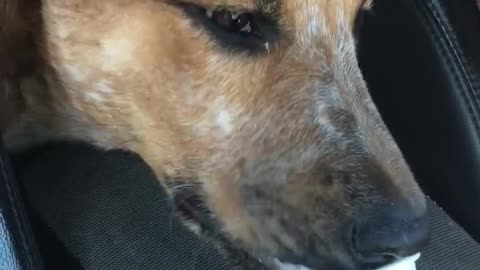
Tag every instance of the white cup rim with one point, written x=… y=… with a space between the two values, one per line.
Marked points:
x=407 y=263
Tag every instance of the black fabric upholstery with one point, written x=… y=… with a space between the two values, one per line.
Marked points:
x=17 y=248
x=421 y=61
x=105 y=210
x=450 y=247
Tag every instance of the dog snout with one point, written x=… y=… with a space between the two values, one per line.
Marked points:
x=390 y=231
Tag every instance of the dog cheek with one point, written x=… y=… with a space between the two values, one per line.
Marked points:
x=226 y=203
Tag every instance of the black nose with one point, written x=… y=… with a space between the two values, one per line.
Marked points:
x=387 y=232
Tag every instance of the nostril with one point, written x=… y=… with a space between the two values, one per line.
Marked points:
x=381 y=240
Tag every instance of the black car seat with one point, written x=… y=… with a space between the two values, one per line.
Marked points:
x=421 y=59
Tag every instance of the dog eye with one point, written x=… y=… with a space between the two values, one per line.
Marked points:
x=231 y=21
x=251 y=31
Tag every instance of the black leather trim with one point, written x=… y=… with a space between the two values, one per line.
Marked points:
x=421 y=62
x=17 y=251
x=446 y=40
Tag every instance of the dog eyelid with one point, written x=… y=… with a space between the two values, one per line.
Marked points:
x=237 y=30
x=233 y=21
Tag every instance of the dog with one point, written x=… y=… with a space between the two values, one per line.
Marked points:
x=253 y=114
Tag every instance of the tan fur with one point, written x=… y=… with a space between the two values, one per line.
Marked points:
x=138 y=75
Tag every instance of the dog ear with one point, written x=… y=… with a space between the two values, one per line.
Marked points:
x=16 y=54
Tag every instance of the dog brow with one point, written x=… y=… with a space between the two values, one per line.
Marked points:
x=243 y=4
x=266 y=6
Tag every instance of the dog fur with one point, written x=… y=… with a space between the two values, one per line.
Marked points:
x=281 y=146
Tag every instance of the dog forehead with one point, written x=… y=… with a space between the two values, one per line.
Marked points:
x=320 y=24
x=234 y=3
x=271 y=5
x=330 y=11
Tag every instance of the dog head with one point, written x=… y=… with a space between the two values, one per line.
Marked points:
x=254 y=112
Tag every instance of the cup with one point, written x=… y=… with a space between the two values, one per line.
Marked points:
x=407 y=263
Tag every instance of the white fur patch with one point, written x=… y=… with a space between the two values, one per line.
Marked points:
x=103 y=86
x=62 y=31
x=311 y=21
x=75 y=73
x=224 y=120
x=94 y=96
x=117 y=52
x=316 y=24
x=325 y=123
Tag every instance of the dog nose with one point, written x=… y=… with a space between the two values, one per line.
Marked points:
x=390 y=232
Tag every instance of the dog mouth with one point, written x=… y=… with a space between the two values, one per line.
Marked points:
x=191 y=207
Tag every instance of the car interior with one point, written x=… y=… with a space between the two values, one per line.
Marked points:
x=68 y=205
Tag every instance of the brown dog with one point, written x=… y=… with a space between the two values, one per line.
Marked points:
x=253 y=114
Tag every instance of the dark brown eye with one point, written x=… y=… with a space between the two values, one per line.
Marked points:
x=232 y=21
x=236 y=30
